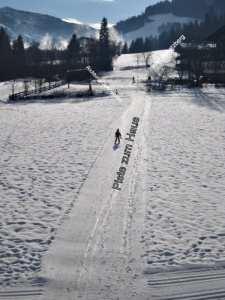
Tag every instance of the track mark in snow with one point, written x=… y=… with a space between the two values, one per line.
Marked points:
x=186 y=279
x=24 y=294
x=191 y=284
x=199 y=296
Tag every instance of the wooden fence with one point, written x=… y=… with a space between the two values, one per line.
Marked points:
x=32 y=93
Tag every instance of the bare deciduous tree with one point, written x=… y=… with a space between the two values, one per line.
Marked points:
x=146 y=56
x=37 y=82
x=26 y=85
x=13 y=84
x=138 y=58
x=161 y=73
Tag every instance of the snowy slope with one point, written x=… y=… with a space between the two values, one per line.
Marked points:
x=136 y=60
x=66 y=234
x=35 y=26
x=152 y=24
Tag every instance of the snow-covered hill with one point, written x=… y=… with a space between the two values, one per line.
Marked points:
x=178 y=8
x=158 y=17
x=34 y=26
x=152 y=26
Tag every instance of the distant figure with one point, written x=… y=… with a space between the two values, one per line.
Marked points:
x=133 y=81
x=116 y=92
x=117 y=136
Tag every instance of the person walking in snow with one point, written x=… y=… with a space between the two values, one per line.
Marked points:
x=117 y=136
x=133 y=81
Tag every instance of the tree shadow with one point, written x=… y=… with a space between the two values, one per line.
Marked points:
x=209 y=99
x=73 y=100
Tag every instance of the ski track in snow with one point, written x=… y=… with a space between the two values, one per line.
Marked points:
x=66 y=234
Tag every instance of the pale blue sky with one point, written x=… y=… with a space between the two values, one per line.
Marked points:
x=86 y=11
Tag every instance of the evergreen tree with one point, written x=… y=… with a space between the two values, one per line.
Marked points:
x=18 y=46
x=163 y=40
x=137 y=46
x=140 y=45
x=34 y=60
x=105 y=59
x=93 y=50
x=154 y=42
x=147 y=45
x=125 y=49
x=172 y=36
x=5 y=56
x=132 y=48
x=18 y=52
x=73 y=51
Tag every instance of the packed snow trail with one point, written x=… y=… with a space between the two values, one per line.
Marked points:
x=96 y=248
x=135 y=243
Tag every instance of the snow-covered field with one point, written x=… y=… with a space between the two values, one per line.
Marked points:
x=66 y=234
x=152 y=24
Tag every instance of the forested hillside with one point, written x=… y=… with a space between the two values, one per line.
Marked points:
x=182 y=8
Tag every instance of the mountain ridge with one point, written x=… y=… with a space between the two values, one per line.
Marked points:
x=35 y=26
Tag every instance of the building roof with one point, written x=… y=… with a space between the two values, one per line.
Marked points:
x=216 y=36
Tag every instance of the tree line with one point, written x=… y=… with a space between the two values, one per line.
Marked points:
x=19 y=61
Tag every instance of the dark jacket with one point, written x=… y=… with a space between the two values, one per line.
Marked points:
x=117 y=134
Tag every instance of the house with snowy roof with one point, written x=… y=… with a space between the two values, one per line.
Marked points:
x=214 y=66
x=205 y=59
